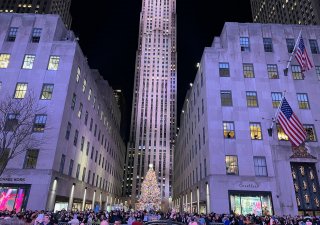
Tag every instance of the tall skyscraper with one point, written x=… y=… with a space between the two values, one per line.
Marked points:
x=60 y=7
x=153 y=119
x=287 y=12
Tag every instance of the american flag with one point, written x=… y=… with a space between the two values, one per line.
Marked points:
x=302 y=56
x=291 y=124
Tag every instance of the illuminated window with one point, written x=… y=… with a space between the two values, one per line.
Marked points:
x=318 y=72
x=311 y=133
x=255 y=131
x=226 y=98
x=252 y=99
x=273 y=71
x=21 y=89
x=296 y=72
x=78 y=74
x=30 y=161
x=12 y=34
x=84 y=85
x=248 y=71
x=54 y=62
x=260 y=166
x=4 y=61
x=39 y=122
x=290 y=44
x=303 y=101
x=314 y=46
x=267 y=44
x=80 y=110
x=228 y=130
x=244 y=44
x=36 y=34
x=281 y=134
x=224 y=70
x=28 y=61
x=232 y=165
x=276 y=99
x=47 y=90
x=89 y=94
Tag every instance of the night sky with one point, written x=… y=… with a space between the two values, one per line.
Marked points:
x=108 y=33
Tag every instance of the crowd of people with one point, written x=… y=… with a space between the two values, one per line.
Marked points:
x=119 y=217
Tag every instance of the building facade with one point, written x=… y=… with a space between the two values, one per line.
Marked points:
x=286 y=11
x=80 y=161
x=225 y=160
x=60 y=7
x=153 y=123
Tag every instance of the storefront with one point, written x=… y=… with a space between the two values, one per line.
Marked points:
x=14 y=196
x=247 y=202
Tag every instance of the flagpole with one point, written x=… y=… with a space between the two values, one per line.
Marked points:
x=292 y=53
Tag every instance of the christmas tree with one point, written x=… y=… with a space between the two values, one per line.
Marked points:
x=150 y=192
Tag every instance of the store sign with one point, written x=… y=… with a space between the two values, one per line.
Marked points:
x=248 y=185
x=12 y=179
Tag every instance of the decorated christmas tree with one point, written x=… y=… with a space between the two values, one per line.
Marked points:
x=150 y=192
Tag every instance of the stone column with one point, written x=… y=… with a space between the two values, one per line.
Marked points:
x=71 y=197
x=208 y=198
x=198 y=200
x=84 y=199
x=52 y=195
x=93 y=200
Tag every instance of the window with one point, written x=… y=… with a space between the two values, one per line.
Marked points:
x=281 y=134
x=84 y=85
x=311 y=133
x=11 y=122
x=226 y=98
x=4 y=61
x=224 y=70
x=82 y=143
x=248 y=71
x=252 y=98
x=290 y=45
x=21 y=89
x=88 y=148
x=12 y=34
x=228 y=130
x=244 y=44
x=260 y=166
x=83 y=174
x=75 y=139
x=70 y=167
x=276 y=99
x=28 y=62
x=273 y=71
x=80 y=110
x=30 y=161
x=303 y=101
x=89 y=94
x=267 y=44
x=74 y=99
x=39 y=122
x=68 y=131
x=296 y=72
x=36 y=34
x=53 y=62
x=47 y=90
x=91 y=123
x=86 y=118
x=318 y=72
x=255 y=131
x=232 y=165
x=89 y=175
x=78 y=74
x=63 y=159
x=314 y=46
x=78 y=171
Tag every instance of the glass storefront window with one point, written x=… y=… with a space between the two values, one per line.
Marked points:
x=12 y=198
x=251 y=203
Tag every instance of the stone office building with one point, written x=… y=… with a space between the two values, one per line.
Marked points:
x=225 y=159
x=80 y=162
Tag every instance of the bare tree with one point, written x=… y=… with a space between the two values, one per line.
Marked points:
x=17 y=117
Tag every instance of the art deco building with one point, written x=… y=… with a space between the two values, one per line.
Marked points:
x=286 y=11
x=225 y=160
x=153 y=116
x=60 y=7
x=80 y=162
